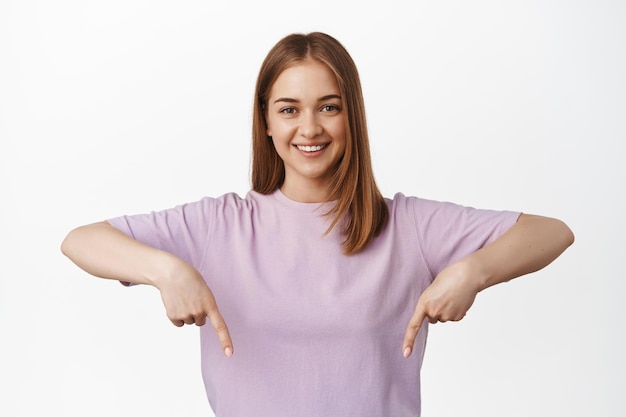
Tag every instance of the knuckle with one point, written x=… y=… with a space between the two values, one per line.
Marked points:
x=220 y=327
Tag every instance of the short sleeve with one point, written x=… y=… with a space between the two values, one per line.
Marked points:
x=448 y=232
x=182 y=231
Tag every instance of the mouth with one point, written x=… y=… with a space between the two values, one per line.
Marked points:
x=308 y=148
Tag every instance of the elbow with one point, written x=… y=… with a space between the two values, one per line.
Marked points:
x=569 y=235
x=82 y=238
x=563 y=233
x=74 y=240
x=554 y=232
x=66 y=245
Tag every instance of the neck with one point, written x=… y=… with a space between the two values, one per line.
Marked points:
x=306 y=193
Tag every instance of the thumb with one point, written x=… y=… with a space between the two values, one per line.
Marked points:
x=413 y=329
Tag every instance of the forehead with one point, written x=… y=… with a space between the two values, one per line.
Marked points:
x=308 y=77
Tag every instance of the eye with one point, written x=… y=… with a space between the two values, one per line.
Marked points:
x=329 y=108
x=287 y=110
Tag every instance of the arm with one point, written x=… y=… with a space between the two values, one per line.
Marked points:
x=104 y=251
x=529 y=245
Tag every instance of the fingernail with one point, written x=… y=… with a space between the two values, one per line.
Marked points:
x=228 y=352
x=407 y=352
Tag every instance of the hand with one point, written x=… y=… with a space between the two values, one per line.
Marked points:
x=188 y=300
x=448 y=298
x=104 y=251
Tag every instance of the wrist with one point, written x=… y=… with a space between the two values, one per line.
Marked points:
x=475 y=273
x=164 y=268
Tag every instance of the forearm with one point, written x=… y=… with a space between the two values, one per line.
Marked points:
x=529 y=245
x=104 y=251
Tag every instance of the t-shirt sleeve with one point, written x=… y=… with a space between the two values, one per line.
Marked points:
x=448 y=232
x=182 y=231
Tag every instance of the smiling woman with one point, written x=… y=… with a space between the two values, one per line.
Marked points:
x=308 y=128
x=352 y=183
x=326 y=286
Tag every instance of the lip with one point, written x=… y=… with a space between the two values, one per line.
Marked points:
x=310 y=153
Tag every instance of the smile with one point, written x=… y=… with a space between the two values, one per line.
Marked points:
x=307 y=148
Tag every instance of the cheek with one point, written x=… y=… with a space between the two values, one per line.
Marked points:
x=280 y=130
x=339 y=131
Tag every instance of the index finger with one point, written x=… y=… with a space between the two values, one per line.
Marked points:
x=218 y=323
x=413 y=328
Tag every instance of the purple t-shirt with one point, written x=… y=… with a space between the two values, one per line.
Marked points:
x=316 y=333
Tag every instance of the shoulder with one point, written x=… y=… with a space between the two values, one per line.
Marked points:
x=401 y=203
x=233 y=204
x=444 y=214
x=421 y=205
x=232 y=199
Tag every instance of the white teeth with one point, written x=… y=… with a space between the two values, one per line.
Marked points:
x=311 y=148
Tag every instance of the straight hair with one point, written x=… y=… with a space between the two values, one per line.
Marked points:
x=360 y=207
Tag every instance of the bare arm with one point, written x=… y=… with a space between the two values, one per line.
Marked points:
x=529 y=245
x=104 y=251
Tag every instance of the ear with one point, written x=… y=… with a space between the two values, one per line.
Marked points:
x=268 y=129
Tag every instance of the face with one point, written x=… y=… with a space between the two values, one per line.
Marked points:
x=307 y=124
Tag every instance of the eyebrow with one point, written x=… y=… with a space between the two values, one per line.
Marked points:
x=293 y=100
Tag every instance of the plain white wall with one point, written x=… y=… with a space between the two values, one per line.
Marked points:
x=119 y=107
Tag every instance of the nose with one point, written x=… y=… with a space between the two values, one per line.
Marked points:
x=310 y=126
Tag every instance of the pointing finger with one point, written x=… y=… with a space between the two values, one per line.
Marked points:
x=218 y=323
x=412 y=330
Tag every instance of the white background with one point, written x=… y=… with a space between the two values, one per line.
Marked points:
x=120 y=107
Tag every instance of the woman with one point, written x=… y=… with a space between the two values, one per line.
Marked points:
x=316 y=274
